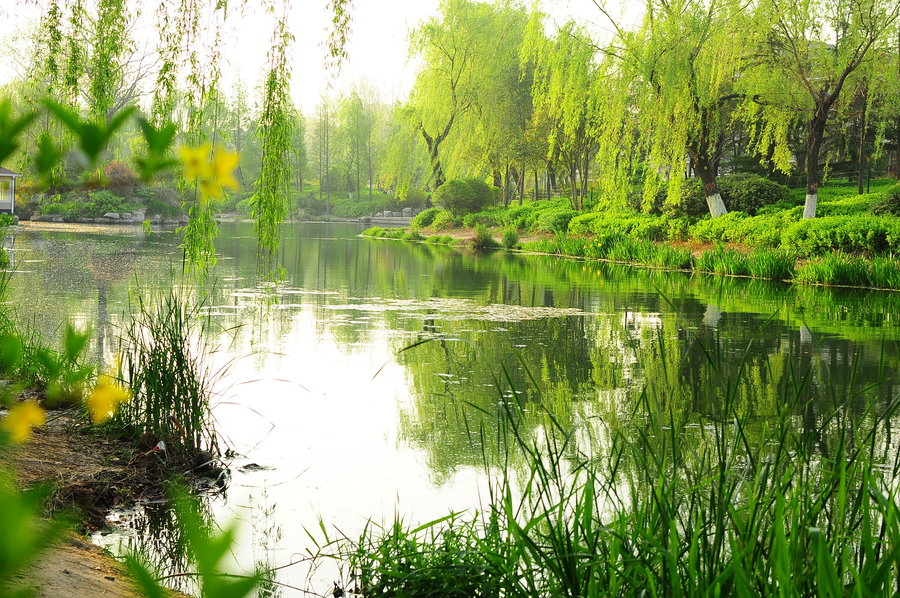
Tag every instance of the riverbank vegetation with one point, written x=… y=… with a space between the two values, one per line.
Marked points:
x=854 y=244
x=736 y=500
x=748 y=139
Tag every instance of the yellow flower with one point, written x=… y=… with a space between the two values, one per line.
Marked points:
x=195 y=161
x=210 y=190
x=223 y=165
x=106 y=398
x=21 y=419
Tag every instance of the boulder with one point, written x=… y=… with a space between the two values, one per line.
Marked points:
x=126 y=216
x=397 y=214
x=407 y=212
x=113 y=215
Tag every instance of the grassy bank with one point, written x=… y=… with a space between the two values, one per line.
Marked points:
x=852 y=243
x=685 y=493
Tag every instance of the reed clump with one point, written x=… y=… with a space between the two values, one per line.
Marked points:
x=163 y=362
x=728 y=502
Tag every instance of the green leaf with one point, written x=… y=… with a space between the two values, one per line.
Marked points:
x=10 y=128
x=74 y=343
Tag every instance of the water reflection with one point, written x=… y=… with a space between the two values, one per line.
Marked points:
x=350 y=423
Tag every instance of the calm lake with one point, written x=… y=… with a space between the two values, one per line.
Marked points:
x=333 y=422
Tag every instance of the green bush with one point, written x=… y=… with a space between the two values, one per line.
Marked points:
x=521 y=217
x=386 y=233
x=845 y=233
x=440 y=240
x=485 y=218
x=463 y=196
x=7 y=220
x=737 y=227
x=890 y=204
x=644 y=226
x=510 y=237
x=425 y=218
x=160 y=201
x=444 y=220
x=555 y=220
x=750 y=192
x=483 y=238
x=485 y=194
x=743 y=192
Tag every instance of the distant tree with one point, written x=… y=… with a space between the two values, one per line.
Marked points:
x=683 y=62
x=446 y=85
x=565 y=92
x=812 y=57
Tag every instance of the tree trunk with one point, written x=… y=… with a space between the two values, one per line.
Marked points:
x=704 y=168
x=816 y=132
x=506 y=187
x=522 y=183
x=861 y=158
x=535 y=184
x=573 y=183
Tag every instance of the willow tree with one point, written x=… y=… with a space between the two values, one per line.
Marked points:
x=490 y=137
x=109 y=46
x=446 y=85
x=684 y=60
x=812 y=57
x=565 y=92
x=268 y=202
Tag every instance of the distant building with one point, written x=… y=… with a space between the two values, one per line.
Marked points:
x=8 y=190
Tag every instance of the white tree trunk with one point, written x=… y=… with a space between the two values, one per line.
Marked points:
x=809 y=208
x=716 y=205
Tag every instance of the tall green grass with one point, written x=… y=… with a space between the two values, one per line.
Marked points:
x=725 y=502
x=843 y=269
x=164 y=363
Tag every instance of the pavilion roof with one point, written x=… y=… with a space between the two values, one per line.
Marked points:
x=7 y=172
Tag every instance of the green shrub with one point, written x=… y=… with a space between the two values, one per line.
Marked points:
x=7 y=220
x=160 y=201
x=483 y=238
x=485 y=218
x=749 y=192
x=424 y=218
x=555 y=220
x=521 y=217
x=485 y=194
x=843 y=233
x=413 y=235
x=119 y=175
x=463 y=196
x=385 y=233
x=583 y=224
x=444 y=220
x=441 y=240
x=890 y=204
x=510 y=237
x=742 y=192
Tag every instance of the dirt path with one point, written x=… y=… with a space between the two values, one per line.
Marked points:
x=91 y=474
x=75 y=567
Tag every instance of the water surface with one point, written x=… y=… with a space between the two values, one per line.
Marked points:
x=331 y=419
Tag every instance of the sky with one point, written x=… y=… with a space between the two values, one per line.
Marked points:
x=377 y=46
